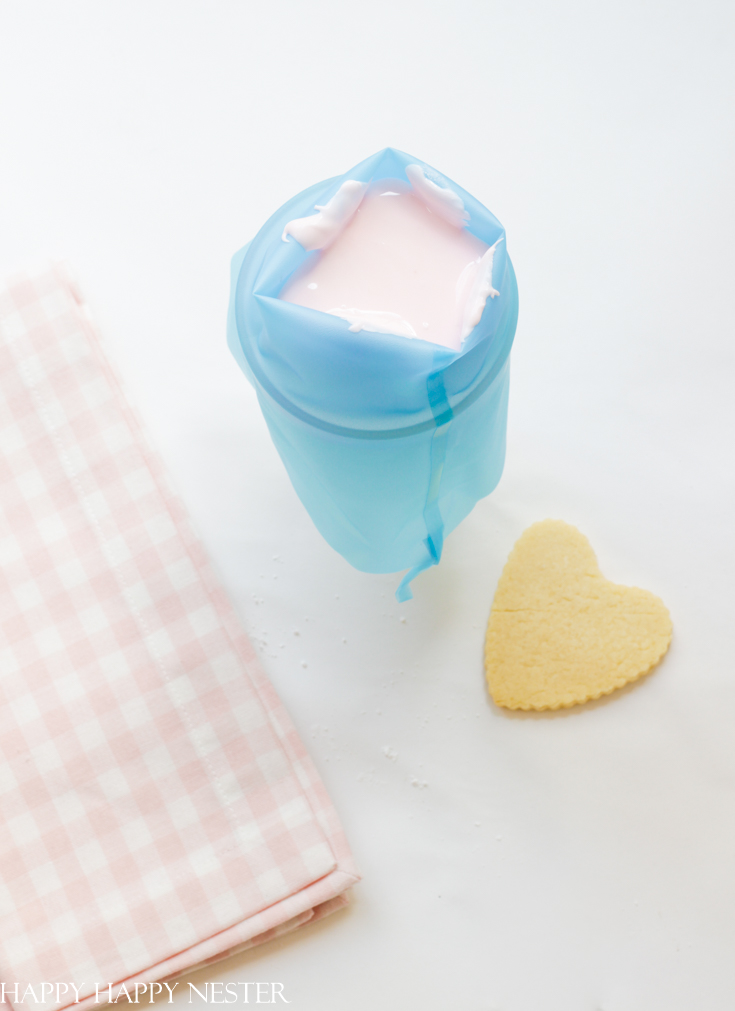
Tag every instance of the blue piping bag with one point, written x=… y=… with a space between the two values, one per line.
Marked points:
x=389 y=441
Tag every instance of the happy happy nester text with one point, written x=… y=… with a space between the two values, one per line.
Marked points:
x=112 y=993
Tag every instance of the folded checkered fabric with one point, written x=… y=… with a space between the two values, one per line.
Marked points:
x=157 y=809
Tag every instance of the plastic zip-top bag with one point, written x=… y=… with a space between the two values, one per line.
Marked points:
x=389 y=440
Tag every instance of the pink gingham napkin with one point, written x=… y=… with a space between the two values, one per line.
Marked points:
x=157 y=809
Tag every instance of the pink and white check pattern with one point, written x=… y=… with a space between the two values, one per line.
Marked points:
x=157 y=809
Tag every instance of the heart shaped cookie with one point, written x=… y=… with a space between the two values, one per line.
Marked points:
x=560 y=633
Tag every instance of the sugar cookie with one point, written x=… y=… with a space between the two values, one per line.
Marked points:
x=560 y=633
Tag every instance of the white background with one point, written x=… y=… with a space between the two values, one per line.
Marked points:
x=580 y=861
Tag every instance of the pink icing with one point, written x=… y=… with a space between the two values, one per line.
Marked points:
x=396 y=267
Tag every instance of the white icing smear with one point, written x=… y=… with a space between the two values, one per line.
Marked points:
x=375 y=321
x=439 y=199
x=482 y=289
x=398 y=267
x=320 y=230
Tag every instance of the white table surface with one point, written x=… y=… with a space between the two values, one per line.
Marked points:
x=578 y=861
